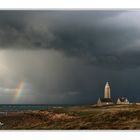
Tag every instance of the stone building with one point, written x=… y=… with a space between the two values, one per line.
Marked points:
x=122 y=100
x=104 y=101
x=107 y=97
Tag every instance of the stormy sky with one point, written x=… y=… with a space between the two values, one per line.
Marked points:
x=66 y=57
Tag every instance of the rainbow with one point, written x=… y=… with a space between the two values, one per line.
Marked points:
x=19 y=89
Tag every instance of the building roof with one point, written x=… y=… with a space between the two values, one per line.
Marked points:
x=106 y=100
x=122 y=99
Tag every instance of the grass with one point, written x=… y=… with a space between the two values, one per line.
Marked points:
x=118 y=117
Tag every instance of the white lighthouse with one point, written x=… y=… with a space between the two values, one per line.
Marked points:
x=107 y=91
x=107 y=97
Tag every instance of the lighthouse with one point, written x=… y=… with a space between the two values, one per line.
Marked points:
x=107 y=91
x=106 y=100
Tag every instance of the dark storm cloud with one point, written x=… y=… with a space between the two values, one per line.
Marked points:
x=98 y=37
x=32 y=27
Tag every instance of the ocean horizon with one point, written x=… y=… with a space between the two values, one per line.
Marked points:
x=29 y=107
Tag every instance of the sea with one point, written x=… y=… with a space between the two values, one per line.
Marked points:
x=28 y=107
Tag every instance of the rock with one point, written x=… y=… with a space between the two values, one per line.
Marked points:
x=1 y=124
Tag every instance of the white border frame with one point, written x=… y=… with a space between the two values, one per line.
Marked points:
x=69 y=5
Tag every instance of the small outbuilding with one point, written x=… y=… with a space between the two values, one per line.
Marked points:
x=122 y=100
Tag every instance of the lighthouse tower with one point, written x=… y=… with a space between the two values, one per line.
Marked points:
x=107 y=91
x=107 y=97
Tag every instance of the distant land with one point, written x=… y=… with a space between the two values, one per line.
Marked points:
x=112 y=117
